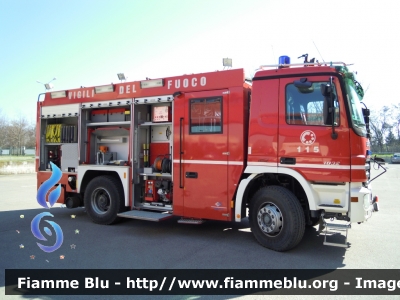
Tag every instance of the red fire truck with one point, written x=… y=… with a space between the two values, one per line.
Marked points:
x=287 y=149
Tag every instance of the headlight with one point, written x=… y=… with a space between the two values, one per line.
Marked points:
x=367 y=201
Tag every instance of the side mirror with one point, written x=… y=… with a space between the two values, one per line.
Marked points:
x=326 y=90
x=365 y=112
x=379 y=160
x=329 y=107
x=327 y=111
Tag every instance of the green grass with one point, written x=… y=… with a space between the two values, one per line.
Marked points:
x=384 y=156
x=17 y=158
x=387 y=157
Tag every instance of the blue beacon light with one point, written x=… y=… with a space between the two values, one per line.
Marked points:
x=284 y=60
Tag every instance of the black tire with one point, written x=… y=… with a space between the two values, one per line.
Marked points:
x=104 y=199
x=276 y=218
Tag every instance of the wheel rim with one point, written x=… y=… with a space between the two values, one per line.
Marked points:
x=100 y=201
x=270 y=219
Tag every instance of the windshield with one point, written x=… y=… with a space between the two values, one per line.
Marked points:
x=354 y=98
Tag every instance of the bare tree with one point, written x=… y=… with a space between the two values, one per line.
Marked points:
x=31 y=136
x=18 y=134
x=382 y=123
x=396 y=124
x=3 y=130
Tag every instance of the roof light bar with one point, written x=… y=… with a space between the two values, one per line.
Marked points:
x=61 y=94
x=263 y=67
x=151 y=83
x=104 y=89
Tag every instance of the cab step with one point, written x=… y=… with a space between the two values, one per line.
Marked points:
x=145 y=215
x=191 y=221
x=336 y=231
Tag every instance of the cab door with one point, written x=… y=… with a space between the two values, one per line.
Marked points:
x=305 y=140
x=204 y=155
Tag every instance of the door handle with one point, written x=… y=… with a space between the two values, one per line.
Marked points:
x=288 y=160
x=191 y=175
x=226 y=153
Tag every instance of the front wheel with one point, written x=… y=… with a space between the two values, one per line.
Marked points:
x=276 y=218
x=104 y=199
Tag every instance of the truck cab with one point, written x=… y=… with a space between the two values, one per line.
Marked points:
x=307 y=135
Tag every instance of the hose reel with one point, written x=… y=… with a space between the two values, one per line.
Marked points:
x=162 y=163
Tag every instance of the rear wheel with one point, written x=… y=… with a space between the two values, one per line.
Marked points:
x=104 y=199
x=276 y=218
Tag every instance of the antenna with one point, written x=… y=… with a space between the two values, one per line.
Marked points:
x=366 y=90
x=318 y=51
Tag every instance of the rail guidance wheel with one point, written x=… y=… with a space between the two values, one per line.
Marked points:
x=104 y=199
x=276 y=218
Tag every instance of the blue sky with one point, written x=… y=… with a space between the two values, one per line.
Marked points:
x=86 y=43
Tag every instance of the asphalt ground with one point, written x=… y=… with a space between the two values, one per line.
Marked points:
x=136 y=244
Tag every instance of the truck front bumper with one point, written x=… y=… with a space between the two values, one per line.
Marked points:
x=361 y=203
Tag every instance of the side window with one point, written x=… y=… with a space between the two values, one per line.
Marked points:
x=306 y=106
x=206 y=115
